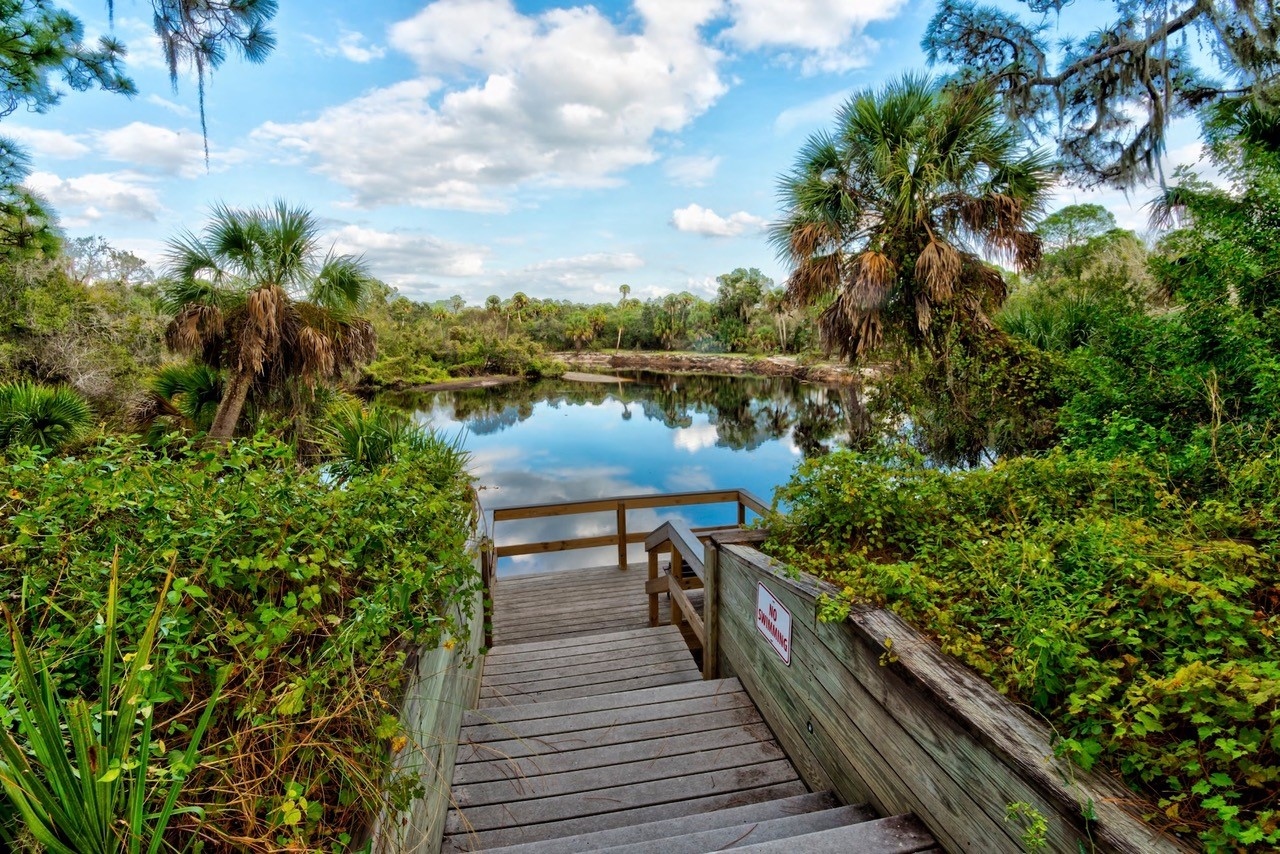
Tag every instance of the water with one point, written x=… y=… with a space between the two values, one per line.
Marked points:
x=563 y=440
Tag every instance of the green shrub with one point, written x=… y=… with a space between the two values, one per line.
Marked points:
x=1143 y=626
x=362 y=440
x=405 y=370
x=41 y=416
x=309 y=592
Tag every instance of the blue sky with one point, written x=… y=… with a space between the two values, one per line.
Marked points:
x=489 y=146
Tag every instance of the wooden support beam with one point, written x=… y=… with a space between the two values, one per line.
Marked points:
x=680 y=603
x=653 y=594
x=711 y=615
x=622 y=535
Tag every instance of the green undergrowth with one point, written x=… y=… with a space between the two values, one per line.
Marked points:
x=308 y=591
x=1141 y=625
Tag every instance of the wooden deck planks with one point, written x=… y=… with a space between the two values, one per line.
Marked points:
x=637 y=743
x=590 y=719
x=572 y=603
x=610 y=734
x=477 y=841
x=621 y=664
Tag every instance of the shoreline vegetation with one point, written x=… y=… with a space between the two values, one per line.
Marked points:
x=595 y=365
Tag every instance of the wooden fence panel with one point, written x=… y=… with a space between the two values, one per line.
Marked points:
x=907 y=728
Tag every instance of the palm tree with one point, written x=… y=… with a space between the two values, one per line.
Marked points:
x=519 y=302
x=888 y=219
x=579 y=330
x=256 y=295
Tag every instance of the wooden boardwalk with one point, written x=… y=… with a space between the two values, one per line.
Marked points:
x=573 y=603
x=596 y=731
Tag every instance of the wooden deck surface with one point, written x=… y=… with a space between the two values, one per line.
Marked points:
x=572 y=603
x=545 y=768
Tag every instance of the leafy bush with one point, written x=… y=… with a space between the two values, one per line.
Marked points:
x=1141 y=625
x=44 y=417
x=405 y=370
x=309 y=593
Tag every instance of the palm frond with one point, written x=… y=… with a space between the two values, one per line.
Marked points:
x=42 y=416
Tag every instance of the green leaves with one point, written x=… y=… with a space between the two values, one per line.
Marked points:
x=1142 y=625
x=94 y=797
x=304 y=594
x=42 y=416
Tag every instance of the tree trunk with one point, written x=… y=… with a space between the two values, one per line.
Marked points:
x=230 y=407
x=618 y=346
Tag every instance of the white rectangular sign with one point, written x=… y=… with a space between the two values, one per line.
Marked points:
x=774 y=622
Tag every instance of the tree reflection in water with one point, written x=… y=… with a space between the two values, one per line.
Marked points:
x=746 y=412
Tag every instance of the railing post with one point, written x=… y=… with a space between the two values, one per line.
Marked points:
x=711 y=611
x=653 y=595
x=742 y=514
x=622 y=535
x=673 y=580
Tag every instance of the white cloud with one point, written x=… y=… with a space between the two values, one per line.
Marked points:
x=695 y=438
x=580 y=277
x=696 y=219
x=827 y=33
x=561 y=98
x=352 y=46
x=691 y=170
x=172 y=106
x=47 y=143
x=88 y=198
x=405 y=258
x=161 y=149
x=819 y=112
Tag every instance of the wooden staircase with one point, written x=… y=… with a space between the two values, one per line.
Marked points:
x=614 y=742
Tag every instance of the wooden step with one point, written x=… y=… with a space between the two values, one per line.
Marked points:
x=899 y=834
x=483 y=840
x=677 y=827
x=747 y=833
x=554 y=647
x=619 y=700
x=543 y=770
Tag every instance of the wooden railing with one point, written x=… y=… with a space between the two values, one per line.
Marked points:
x=685 y=547
x=675 y=537
x=620 y=537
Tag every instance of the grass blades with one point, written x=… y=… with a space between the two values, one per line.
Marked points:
x=98 y=795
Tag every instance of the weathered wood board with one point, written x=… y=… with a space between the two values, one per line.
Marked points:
x=910 y=731
x=445 y=684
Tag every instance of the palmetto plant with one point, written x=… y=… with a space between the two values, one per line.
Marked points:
x=101 y=793
x=43 y=416
x=181 y=397
x=362 y=440
x=889 y=218
x=255 y=294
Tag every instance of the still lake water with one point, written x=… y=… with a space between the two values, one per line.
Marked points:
x=564 y=440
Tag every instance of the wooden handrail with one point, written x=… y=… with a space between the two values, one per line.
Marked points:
x=678 y=535
x=619 y=505
x=633 y=502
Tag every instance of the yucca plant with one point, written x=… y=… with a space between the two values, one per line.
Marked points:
x=81 y=779
x=44 y=416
